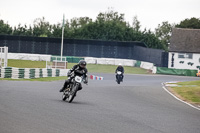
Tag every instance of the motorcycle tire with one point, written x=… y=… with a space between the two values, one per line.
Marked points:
x=64 y=97
x=71 y=96
x=118 y=82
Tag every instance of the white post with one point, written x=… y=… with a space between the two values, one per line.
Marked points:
x=63 y=27
x=62 y=44
x=56 y=62
x=5 y=56
x=65 y=63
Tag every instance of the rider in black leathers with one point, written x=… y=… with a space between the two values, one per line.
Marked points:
x=80 y=70
x=121 y=69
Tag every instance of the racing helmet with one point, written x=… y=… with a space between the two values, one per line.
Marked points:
x=120 y=64
x=82 y=63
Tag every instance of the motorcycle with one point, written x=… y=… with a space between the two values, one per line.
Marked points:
x=119 y=77
x=70 y=92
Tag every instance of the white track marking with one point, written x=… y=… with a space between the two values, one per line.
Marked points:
x=178 y=98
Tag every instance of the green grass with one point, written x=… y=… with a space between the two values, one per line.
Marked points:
x=189 y=91
x=90 y=67
x=112 y=68
x=26 y=64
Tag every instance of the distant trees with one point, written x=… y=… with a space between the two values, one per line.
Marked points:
x=193 y=23
x=108 y=25
x=5 y=28
x=163 y=32
x=42 y=28
x=22 y=30
x=136 y=23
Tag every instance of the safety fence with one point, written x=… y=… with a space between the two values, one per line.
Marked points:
x=28 y=73
x=171 y=71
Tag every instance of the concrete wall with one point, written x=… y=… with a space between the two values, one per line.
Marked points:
x=33 y=57
x=110 y=61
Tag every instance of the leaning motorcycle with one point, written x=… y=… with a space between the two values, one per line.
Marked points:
x=70 y=92
x=119 y=77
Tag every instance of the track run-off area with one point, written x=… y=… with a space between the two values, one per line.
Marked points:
x=137 y=105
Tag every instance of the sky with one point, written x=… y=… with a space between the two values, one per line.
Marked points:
x=150 y=13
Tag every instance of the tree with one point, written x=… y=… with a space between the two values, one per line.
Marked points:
x=193 y=23
x=163 y=33
x=107 y=26
x=42 y=28
x=5 y=28
x=22 y=30
x=150 y=39
x=136 y=24
x=57 y=30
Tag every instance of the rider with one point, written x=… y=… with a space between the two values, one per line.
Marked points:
x=80 y=70
x=121 y=69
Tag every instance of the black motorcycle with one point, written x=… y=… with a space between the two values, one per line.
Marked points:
x=119 y=77
x=70 y=92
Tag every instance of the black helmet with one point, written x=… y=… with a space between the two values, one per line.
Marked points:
x=82 y=63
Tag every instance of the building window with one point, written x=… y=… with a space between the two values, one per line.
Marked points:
x=185 y=55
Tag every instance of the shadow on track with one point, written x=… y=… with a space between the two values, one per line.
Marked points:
x=74 y=102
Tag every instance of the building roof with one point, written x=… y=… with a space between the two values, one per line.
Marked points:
x=185 y=40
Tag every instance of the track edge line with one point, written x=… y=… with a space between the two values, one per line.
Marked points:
x=163 y=86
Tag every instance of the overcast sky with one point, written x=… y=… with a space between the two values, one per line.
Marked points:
x=150 y=13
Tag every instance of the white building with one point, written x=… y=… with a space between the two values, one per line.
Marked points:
x=184 y=49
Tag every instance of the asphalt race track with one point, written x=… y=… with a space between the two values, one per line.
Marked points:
x=138 y=105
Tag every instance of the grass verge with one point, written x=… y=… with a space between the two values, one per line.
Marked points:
x=188 y=91
x=91 y=67
x=26 y=64
x=111 y=69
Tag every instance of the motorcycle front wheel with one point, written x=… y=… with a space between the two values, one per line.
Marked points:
x=65 y=95
x=72 y=94
x=118 y=81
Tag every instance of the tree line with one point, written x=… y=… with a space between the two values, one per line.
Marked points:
x=109 y=26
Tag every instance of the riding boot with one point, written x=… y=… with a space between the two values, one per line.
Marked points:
x=65 y=85
x=62 y=89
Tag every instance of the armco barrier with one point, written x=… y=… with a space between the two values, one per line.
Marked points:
x=147 y=65
x=28 y=56
x=171 y=71
x=28 y=73
x=110 y=61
